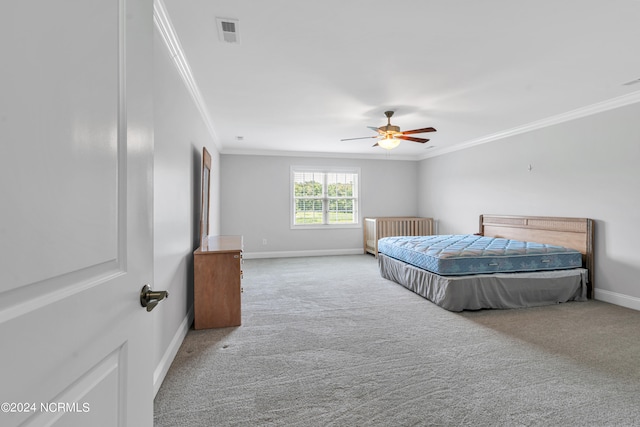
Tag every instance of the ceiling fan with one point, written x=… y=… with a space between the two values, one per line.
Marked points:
x=389 y=136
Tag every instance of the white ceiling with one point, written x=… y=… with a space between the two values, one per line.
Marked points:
x=309 y=73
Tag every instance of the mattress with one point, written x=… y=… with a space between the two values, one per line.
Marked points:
x=454 y=255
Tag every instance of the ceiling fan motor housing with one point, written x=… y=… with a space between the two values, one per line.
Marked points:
x=389 y=129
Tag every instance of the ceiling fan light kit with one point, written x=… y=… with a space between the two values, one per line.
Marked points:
x=390 y=135
x=389 y=142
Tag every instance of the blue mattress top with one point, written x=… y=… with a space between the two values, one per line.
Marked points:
x=452 y=255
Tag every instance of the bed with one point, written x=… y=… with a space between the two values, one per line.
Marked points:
x=516 y=262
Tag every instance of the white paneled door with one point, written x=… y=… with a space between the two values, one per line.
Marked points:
x=76 y=146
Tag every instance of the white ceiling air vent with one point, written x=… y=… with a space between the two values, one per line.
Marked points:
x=228 y=30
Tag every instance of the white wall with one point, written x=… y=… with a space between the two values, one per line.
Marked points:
x=255 y=198
x=583 y=168
x=179 y=137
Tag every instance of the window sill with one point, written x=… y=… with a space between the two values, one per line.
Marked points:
x=324 y=226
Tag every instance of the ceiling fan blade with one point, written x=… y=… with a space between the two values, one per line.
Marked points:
x=375 y=129
x=423 y=130
x=410 y=138
x=363 y=137
x=375 y=145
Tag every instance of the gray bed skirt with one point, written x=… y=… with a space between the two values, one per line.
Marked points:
x=500 y=290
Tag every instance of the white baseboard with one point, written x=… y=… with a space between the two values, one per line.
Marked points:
x=617 y=299
x=163 y=367
x=293 y=254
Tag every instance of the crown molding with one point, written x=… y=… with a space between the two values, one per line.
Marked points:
x=383 y=156
x=170 y=38
x=610 y=104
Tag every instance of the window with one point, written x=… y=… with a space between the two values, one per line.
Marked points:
x=324 y=197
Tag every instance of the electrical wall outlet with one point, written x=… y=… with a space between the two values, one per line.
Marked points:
x=264 y=241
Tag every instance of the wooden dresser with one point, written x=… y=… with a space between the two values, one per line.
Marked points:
x=217 y=282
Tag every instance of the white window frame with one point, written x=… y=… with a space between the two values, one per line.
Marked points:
x=327 y=171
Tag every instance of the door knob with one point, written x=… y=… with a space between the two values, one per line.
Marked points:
x=150 y=299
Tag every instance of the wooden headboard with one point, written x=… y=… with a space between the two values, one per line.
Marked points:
x=574 y=233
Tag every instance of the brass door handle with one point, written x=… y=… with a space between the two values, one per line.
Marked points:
x=150 y=299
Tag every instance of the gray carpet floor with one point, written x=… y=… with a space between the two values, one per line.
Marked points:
x=326 y=341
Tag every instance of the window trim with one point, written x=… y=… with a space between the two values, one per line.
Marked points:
x=325 y=170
